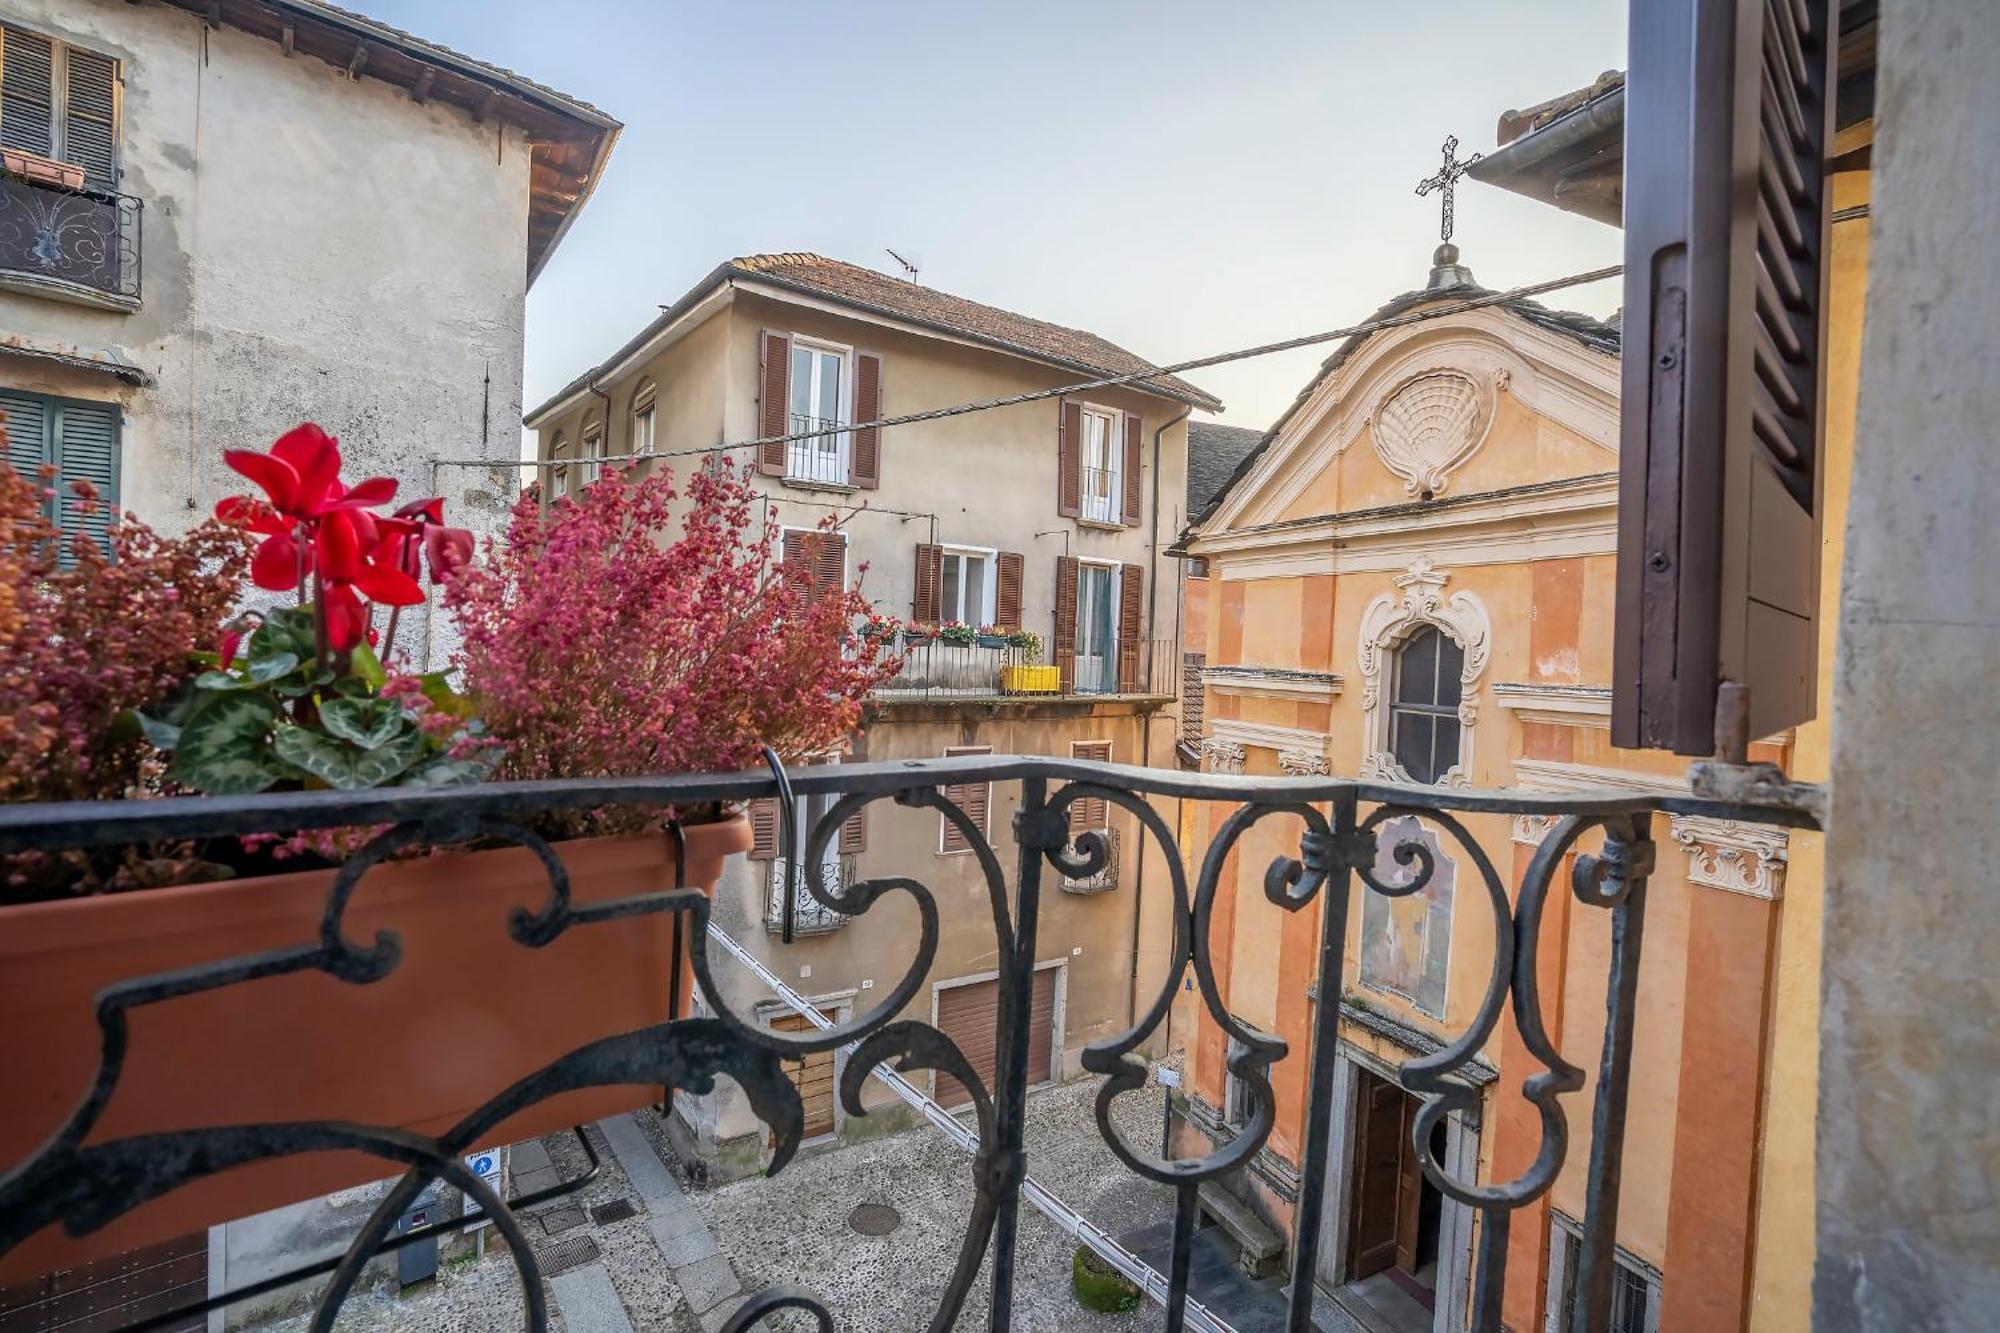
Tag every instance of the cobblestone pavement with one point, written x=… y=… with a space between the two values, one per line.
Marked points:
x=680 y=1261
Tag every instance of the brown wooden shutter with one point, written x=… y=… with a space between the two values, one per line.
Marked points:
x=971 y=797
x=90 y=117
x=27 y=83
x=774 y=398
x=763 y=829
x=1069 y=462
x=1007 y=594
x=1132 y=648
x=854 y=828
x=1134 y=452
x=1729 y=119
x=830 y=563
x=1062 y=647
x=1093 y=812
x=930 y=577
x=867 y=469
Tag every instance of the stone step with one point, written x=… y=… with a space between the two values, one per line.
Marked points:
x=1258 y=1246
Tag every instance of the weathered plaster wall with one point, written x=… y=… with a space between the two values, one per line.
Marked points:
x=1908 y=1201
x=315 y=248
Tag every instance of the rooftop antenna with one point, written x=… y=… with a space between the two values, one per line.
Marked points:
x=908 y=268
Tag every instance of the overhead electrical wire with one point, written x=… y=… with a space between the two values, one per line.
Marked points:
x=1138 y=377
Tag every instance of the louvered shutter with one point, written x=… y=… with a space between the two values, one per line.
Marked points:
x=1063 y=648
x=90 y=117
x=854 y=828
x=1134 y=452
x=86 y=449
x=1729 y=121
x=830 y=563
x=971 y=797
x=867 y=469
x=763 y=829
x=774 y=396
x=1131 y=625
x=27 y=109
x=1012 y=567
x=1069 y=462
x=930 y=576
x=27 y=427
x=1092 y=812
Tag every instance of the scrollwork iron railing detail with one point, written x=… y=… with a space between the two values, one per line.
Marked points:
x=86 y=237
x=85 y=1186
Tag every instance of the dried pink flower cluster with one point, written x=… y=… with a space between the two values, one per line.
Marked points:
x=635 y=629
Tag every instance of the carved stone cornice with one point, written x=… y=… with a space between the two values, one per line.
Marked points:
x=1734 y=856
x=1530 y=830
x=1304 y=763
x=1222 y=756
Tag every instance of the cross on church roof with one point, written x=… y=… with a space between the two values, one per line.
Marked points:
x=1446 y=180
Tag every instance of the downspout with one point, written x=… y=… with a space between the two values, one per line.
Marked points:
x=1146 y=725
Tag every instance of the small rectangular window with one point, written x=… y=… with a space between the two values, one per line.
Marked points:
x=1635 y=1290
x=966 y=585
x=82 y=441
x=60 y=101
x=1102 y=458
x=819 y=409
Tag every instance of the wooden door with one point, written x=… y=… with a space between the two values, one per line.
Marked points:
x=1379 y=1139
x=970 y=1016
x=812 y=1076
x=1409 y=1189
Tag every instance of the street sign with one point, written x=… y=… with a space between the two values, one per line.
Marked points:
x=1169 y=1077
x=489 y=1166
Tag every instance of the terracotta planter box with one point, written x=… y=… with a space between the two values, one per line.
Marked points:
x=466 y=1013
x=43 y=170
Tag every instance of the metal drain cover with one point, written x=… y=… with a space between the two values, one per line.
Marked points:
x=561 y=1218
x=565 y=1255
x=615 y=1211
x=874 y=1219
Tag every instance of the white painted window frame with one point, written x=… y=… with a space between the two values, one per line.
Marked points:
x=842 y=417
x=1109 y=508
x=989 y=582
x=1565 y=1243
x=1115 y=584
x=1386 y=622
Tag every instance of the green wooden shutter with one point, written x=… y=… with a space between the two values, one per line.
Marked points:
x=27 y=428
x=27 y=119
x=86 y=449
x=90 y=117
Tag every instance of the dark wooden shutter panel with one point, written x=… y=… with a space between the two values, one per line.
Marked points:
x=763 y=829
x=1134 y=453
x=830 y=563
x=1092 y=812
x=1729 y=122
x=930 y=576
x=27 y=427
x=86 y=449
x=90 y=118
x=1069 y=462
x=971 y=797
x=1062 y=648
x=774 y=398
x=867 y=469
x=854 y=828
x=1007 y=594
x=27 y=115
x=1131 y=625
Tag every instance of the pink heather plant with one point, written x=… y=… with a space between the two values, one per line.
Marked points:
x=635 y=630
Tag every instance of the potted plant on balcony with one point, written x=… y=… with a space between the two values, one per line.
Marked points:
x=1028 y=676
x=99 y=658
x=40 y=170
x=957 y=633
x=881 y=628
x=992 y=636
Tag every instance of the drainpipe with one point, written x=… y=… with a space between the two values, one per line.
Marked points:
x=1146 y=723
x=609 y=446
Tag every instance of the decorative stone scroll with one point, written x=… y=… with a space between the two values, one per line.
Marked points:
x=1385 y=623
x=1429 y=426
x=1304 y=763
x=1224 y=756
x=1736 y=857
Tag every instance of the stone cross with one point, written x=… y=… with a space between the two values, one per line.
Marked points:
x=1447 y=181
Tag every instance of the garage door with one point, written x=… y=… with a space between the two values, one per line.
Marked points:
x=970 y=1014
x=812 y=1076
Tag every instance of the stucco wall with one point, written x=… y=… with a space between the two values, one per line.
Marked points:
x=315 y=248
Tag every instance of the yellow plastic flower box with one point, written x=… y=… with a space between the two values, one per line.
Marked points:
x=1030 y=679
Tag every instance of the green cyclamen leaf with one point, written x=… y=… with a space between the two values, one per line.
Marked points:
x=345 y=767
x=219 y=680
x=446 y=773
x=223 y=748
x=162 y=735
x=366 y=722
x=367 y=666
x=263 y=670
x=287 y=629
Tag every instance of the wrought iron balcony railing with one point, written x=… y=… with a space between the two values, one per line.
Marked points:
x=823 y=457
x=76 y=239
x=809 y=915
x=1103 y=498
x=86 y=1184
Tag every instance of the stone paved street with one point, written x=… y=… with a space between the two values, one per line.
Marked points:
x=681 y=1259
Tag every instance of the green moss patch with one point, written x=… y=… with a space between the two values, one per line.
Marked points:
x=1099 y=1286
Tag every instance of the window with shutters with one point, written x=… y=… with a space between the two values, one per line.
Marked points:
x=60 y=101
x=1092 y=812
x=80 y=441
x=835 y=862
x=1096 y=645
x=1424 y=729
x=1635 y=1287
x=967 y=588
x=973 y=798
x=819 y=404
x=821 y=553
x=1192 y=699
x=559 y=474
x=1102 y=463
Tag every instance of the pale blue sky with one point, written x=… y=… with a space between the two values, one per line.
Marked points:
x=1177 y=177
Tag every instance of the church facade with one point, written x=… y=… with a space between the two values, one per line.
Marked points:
x=1411 y=579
